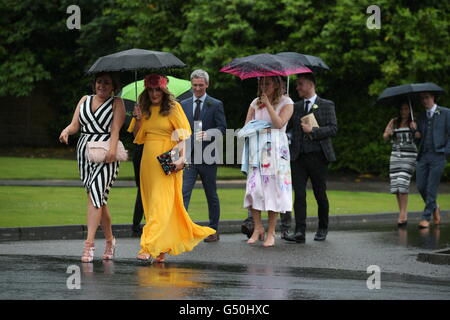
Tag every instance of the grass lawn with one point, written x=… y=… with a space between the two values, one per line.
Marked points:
x=60 y=169
x=39 y=206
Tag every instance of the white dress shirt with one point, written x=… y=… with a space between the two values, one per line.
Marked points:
x=311 y=100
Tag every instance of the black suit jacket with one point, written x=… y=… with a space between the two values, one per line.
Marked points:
x=326 y=118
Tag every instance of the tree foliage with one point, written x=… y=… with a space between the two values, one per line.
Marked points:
x=411 y=46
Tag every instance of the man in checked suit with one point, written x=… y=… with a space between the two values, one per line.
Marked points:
x=209 y=112
x=311 y=152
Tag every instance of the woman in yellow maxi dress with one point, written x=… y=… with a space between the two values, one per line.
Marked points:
x=168 y=228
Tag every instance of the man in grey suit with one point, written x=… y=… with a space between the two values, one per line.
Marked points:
x=311 y=152
x=207 y=119
x=433 y=136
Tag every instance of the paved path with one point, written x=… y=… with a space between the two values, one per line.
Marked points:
x=393 y=250
x=232 y=269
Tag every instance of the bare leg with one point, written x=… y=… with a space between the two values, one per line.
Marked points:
x=94 y=216
x=258 y=232
x=106 y=223
x=402 y=199
x=270 y=242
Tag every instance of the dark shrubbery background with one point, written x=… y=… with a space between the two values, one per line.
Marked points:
x=39 y=55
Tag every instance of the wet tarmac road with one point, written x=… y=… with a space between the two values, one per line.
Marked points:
x=230 y=269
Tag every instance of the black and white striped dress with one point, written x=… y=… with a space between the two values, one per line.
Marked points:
x=97 y=178
x=403 y=160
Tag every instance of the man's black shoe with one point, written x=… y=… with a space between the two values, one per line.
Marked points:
x=298 y=237
x=284 y=234
x=321 y=235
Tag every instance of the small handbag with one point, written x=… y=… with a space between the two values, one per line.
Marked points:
x=166 y=161
x=96 y=151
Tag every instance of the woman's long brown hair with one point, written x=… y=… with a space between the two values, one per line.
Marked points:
x=167 y=103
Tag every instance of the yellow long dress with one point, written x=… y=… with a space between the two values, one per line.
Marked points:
x=168 y=228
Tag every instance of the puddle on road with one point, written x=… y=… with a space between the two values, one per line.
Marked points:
x=46 y=278
x=433 y=238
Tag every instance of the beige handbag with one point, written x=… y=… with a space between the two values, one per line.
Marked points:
x=96 y=151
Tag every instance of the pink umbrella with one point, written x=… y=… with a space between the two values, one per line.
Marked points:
x=263 y=65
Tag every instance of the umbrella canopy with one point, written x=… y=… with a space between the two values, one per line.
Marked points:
x=405 y=91
x=312 y=62
x=136 y=59
x=263 y=65
x=393 y=95
x=175 y=85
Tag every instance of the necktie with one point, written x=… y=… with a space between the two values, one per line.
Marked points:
x=307 y=102
x=429 y=114
x=197 y=110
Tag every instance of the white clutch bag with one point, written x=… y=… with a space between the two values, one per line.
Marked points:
x=96 y=151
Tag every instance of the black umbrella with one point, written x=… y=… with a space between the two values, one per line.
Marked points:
x=393 y=95
x=312 y=62
x=136 y=59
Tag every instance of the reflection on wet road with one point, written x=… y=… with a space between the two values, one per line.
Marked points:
x=335 y=269
x=46 y=278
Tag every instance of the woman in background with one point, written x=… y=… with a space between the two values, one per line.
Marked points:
x=400 y=131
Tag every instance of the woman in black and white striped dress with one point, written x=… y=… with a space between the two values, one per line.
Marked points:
x=100 y=117
x=400 y=131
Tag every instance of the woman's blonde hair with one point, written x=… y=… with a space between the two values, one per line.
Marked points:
x=278 y=88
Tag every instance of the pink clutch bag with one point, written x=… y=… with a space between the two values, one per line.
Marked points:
x=96 y=151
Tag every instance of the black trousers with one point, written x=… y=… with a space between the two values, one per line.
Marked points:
x=138 y=208
x=312 y=166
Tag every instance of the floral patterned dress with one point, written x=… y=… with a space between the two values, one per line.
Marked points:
x=269 y=186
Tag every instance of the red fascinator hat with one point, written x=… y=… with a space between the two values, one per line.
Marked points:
x=155 y=81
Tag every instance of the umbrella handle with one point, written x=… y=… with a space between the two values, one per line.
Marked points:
x=410 y=109
x=135 y=84
x=287 y=86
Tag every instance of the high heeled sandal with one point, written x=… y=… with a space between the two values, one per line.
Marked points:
x=161 y=258
x=88 y=252
x=260 y=237
x=110 y=249
x=269 y=245
x=144 y=257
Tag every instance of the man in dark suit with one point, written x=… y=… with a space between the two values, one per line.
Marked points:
x=207 y=119
x=433 y=135
x=311 y=151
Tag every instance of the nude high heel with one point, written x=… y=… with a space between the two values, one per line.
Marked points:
x=110 y=249
x=88 y=252
x=257 y=235
x=269 y=244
